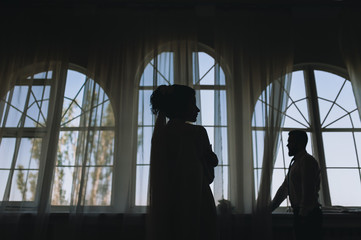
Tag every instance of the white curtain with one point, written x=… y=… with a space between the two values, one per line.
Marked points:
x=350 y=44
x=258 y=58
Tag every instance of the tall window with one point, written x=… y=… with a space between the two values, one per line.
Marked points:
x=24 y=122
x=63 y=117
x=208 y=79
x=321 y=103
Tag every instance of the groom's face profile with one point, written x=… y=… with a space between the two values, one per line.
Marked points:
x=292 y=146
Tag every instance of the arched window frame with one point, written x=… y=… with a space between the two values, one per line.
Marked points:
x=180 y=66
x=49 y=133
x=315 y=130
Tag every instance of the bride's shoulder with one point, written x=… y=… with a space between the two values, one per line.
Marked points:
x=198 y=129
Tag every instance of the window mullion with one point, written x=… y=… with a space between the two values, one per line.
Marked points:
x=317 y=140
x=51 y=141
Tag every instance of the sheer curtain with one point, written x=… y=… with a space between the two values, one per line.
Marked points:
x=350 y=38
x=258 y=59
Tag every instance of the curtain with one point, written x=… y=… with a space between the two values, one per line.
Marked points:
x=258 y=59
x=350 y=37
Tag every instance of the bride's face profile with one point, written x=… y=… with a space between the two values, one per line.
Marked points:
x=192 y=111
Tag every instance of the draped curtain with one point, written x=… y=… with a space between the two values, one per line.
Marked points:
x=258 y=59
x=350 y=46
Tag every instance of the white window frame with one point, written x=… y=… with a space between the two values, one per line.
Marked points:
x=50 y=134
x=180 y=67
x=314 y=117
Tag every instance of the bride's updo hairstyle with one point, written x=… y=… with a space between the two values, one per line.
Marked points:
x=172 y=100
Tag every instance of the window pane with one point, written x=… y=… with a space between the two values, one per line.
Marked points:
x=37 y=106
x=165 y=69
x=346 y=98
x=220 y=78
x=42 y=75
x=221 y=107
x=24 y=180
x=277 y=180
x=345 y=187
x=324 y=107
x=297 y=90
x=356 y=119
x=99 y=186
x=74 y=88
x=63 y=186
x=297 y=109
x=147 y=77
x=339 y=149
x=302 y=107
x=23 y=186
x=85 y=103
x=220 y=184
x=207 y=107
x=337 y=118
x=205 y=68
x=71 y=114
x=145 y=115
x=219 y=135
x=295 y=118
x=258 y=118
x=29 y=153
x=6 y=152
x=107 y=115
x=67 y=148
x=258 y=148
x=16 y=107
x=282 y=152
x=144 y=144
x=210 y=132
x=221 y=149
x=358 y=147
x=257 y=180
x=142 y=185
x=4 y=175
x=101 y=150
x=328 y=85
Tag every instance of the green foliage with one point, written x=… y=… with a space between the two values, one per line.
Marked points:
x=20 y=181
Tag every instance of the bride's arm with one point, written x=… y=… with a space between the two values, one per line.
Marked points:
x=210 y=156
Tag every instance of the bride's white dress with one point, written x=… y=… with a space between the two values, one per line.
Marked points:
x=181 y=203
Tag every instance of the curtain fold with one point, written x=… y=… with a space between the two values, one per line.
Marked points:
x=350 y=46
x=256 y=59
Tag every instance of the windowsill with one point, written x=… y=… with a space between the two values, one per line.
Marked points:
x=325 y=210
x=139 y=210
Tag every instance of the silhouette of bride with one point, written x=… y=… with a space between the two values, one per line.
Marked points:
x=181 y=203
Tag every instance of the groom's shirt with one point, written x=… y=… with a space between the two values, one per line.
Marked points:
x=302 y=182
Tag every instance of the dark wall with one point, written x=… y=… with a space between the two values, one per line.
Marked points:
x=315 y=37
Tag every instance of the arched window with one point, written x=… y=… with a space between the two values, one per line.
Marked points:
x=57 y=127
x=208 y=79
x=321 y=102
